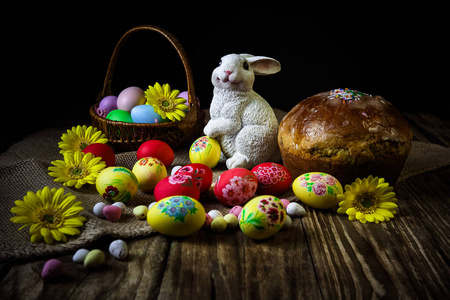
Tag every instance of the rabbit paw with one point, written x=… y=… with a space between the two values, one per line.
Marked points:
x=210 y=130
x=238 y=160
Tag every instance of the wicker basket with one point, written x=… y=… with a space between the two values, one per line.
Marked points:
x=129 y=136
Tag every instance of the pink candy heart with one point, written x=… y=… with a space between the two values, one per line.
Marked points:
x=112 y=213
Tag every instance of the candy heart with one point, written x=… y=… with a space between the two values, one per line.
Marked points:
x=112 y=213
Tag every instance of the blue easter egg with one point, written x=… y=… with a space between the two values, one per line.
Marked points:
x=146 y=114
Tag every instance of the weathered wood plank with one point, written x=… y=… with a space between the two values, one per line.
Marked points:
x=231 y=266
x=280 y=267
x=406 y=257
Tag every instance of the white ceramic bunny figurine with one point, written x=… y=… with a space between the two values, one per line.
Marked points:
x=241 y=120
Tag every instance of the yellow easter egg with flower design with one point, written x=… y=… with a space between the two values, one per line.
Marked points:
x=149 y=171
x=176 y=216
x=205 y=150
x=116 y=184
x=262 y=217
x=317 y=189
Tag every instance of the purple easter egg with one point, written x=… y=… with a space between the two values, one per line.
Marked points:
x=107 y=104
x=185 y=95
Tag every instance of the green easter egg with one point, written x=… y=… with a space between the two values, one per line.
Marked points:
x=119 y=115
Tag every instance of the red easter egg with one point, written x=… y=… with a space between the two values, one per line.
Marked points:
x=273 y=179
x=157 y=149
x=235 y=186
x=201 y=174
x=102 y=150
x=176 y=185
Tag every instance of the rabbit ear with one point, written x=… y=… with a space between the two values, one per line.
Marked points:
x=246 y=55
x=263 y=65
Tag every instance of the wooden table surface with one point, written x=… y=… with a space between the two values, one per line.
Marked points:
x=322 y=256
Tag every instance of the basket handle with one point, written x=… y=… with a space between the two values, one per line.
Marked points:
x=192 y=99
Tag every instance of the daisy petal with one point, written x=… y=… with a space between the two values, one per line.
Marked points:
x=378 y=216
x=370 y=217
x=387 y=205
x=385 y=212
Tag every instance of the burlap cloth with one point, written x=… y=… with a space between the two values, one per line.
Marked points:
x=24 y=166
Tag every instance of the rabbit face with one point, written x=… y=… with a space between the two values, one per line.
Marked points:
x=233 y=73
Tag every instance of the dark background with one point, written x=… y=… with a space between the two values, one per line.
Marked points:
x=55 y=60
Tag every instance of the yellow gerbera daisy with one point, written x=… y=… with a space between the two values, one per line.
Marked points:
x=166 y=102
x=80 y=137
x=370 y=199
x=51 y=214
x=77 y=168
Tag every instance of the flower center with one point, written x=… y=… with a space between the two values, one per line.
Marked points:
x=77 y=172
x=50 y=217
x=83 y=145
x=80 y=144
x=366 y=202
x=165 y=104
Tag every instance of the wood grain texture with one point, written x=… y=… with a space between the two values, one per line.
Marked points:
x=322 y=256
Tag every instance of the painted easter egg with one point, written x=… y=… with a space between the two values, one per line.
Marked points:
x=205 y=150
x=176 y=185
x=201 y=175
x=318 y=190
x=102 y=150
x=149 y=171
x=130 y=97
x=235 y=186
x=176 y=216
x=262 y=217
x=117 y=184
x=273 y=178
x=158 y=149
